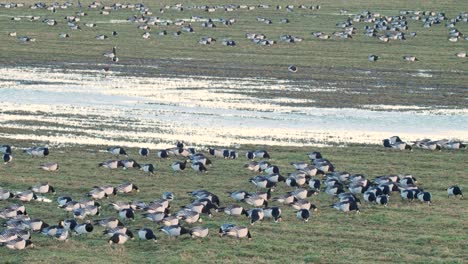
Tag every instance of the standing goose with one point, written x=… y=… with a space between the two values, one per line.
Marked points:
x=118 y=238
x=382 y=199
x=262 y=154
x=425 y=197
x=255 y=215
x=127 y=214
x=272 y=212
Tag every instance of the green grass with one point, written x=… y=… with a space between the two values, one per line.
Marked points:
x=324 y=63
x=401 y=232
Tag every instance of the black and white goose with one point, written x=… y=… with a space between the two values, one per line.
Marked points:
x=174 y=230
x=199 y=167
x=272 y=212
x=162 y=154
x=303 y=214
x=178 y=166
x=425 y=197
x=239 y=195
x=382 y=199
x=199 y=231
x=5 y=194
x=18 y=244
x=255 y=215
x=127 y=214
x=236 y=231
x=454 y=191
x=144 y=152
x=111 y=222
x=43 y=188
x=233 y=209
x=127 y=187
x=118 y=238
x=50 y=166
x=84 y=228
x=146 y=234
x=346 y=206
x=129 y=164
x=26 y=196
x=7 y=158
x=37 y=151
x=147 y=168
x=5 y=149
x=262 y=154
x=116 y=151
x=111 y=164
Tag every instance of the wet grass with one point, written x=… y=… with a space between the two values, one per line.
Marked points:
x=401 y=232
x=342 y=63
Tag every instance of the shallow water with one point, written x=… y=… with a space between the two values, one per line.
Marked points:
x=92 y=107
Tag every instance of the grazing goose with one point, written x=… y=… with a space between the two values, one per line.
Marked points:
x=162 y=154
x=276 y=177
x=346 y=206
x=130 y=163
x=5 y=149
x=127 y=187
x=219 y=153
x=51 y=166
x=26 y=196
x=43 y=188
x=272 y=212
x=147 y=168
x=256 y=201
x=373 y=57
x=199 y=167
x=18 y=244
x=178 y=166
x=118 y=238
x=370 y=197
x=189 y=217
x=237 y=232
x=425 y=197
x=272 y=169
x=382 y=199
x=303 y=204
x=116 y=151
x=5 y=195
x=314 y=184
x=239 y=195
x=84 y=228
x=119 y=229
x=253 y=166
x=302 y=193
x=97 y=193
x=427 y=144
x=255 y=215
x=144 y=152
x=314 y=155
x=233 y=209
x=299 y=165
x=7 y=158
x=303 y=214
x=68 y=224
x=101 y=37
x=454 y=191
x=170 y=220
x=288 y=198
x=262 y=154
x=397 y=145
x=111 y=164
x=292 y=68
x=155 y=217
x=174 y=230
x=262 y=182
x=110 y=222
x=37 y=151
x=146 y=234
x=199 y=231
x=410 y=58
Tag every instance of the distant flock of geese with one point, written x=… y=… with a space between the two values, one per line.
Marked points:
x=395 y=142
x=383 y=28
x=309 y=178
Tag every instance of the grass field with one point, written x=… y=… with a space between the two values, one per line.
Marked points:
x=401 y=232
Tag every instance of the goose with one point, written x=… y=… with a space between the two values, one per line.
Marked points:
x=84 y=228
x=68 y=224
x=276 y=177
x=397 y=145
x=62 y=200
x=233 y=209
x=170 y=220
x=189 y=217
x=18 y=244
x=97 y=193
x=314 y=184
x=199 y=167
x=155 y=217
x=127 y=187
x=147 y=168
x=262 y=182
x=101 y=37
x=272 y=169
x=250 y=155
x=174 y=230
x=452 y=144
x=299 y=165
x=130 y=163
x=255 y=215
x=427 y=144
x=382 y=199
x=272 y=212
x=127 y=214
x=239 y=195
x=303 y=204
x=373 y=57
x=5 y=195
x=461 y=55
x=253 y=166
x=303 y=214
x=178 y=166
x=262 y=154
x=199 y=231
x=119 y=229
x=424 y=197
x=292 y=68
x=146 y=234
x=70 y=206
x=296 y=181
x=143 y=151
x=8 y=213
x=64 y=35
x=91 y=25
x=116 y=151
x=346 y=206
x=7 y=158
x=314 y=155
x=5 y=149
x=287 y=198
x=112 y=55
x=146 y=35
x=43 y=188
x=370 y=197
x=118 y=238
x=61 y=234
x=37 y=151
x=256 y=201
x=108 y=189
x=51 y=166
x=111 y=164
x=410 y=58
x=301 y=193
x=454 y=191
x=26 y=196
x=162 y=154
x=334 y=190
x=237 y=232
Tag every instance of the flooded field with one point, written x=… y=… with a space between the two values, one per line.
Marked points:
x=93 y=107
